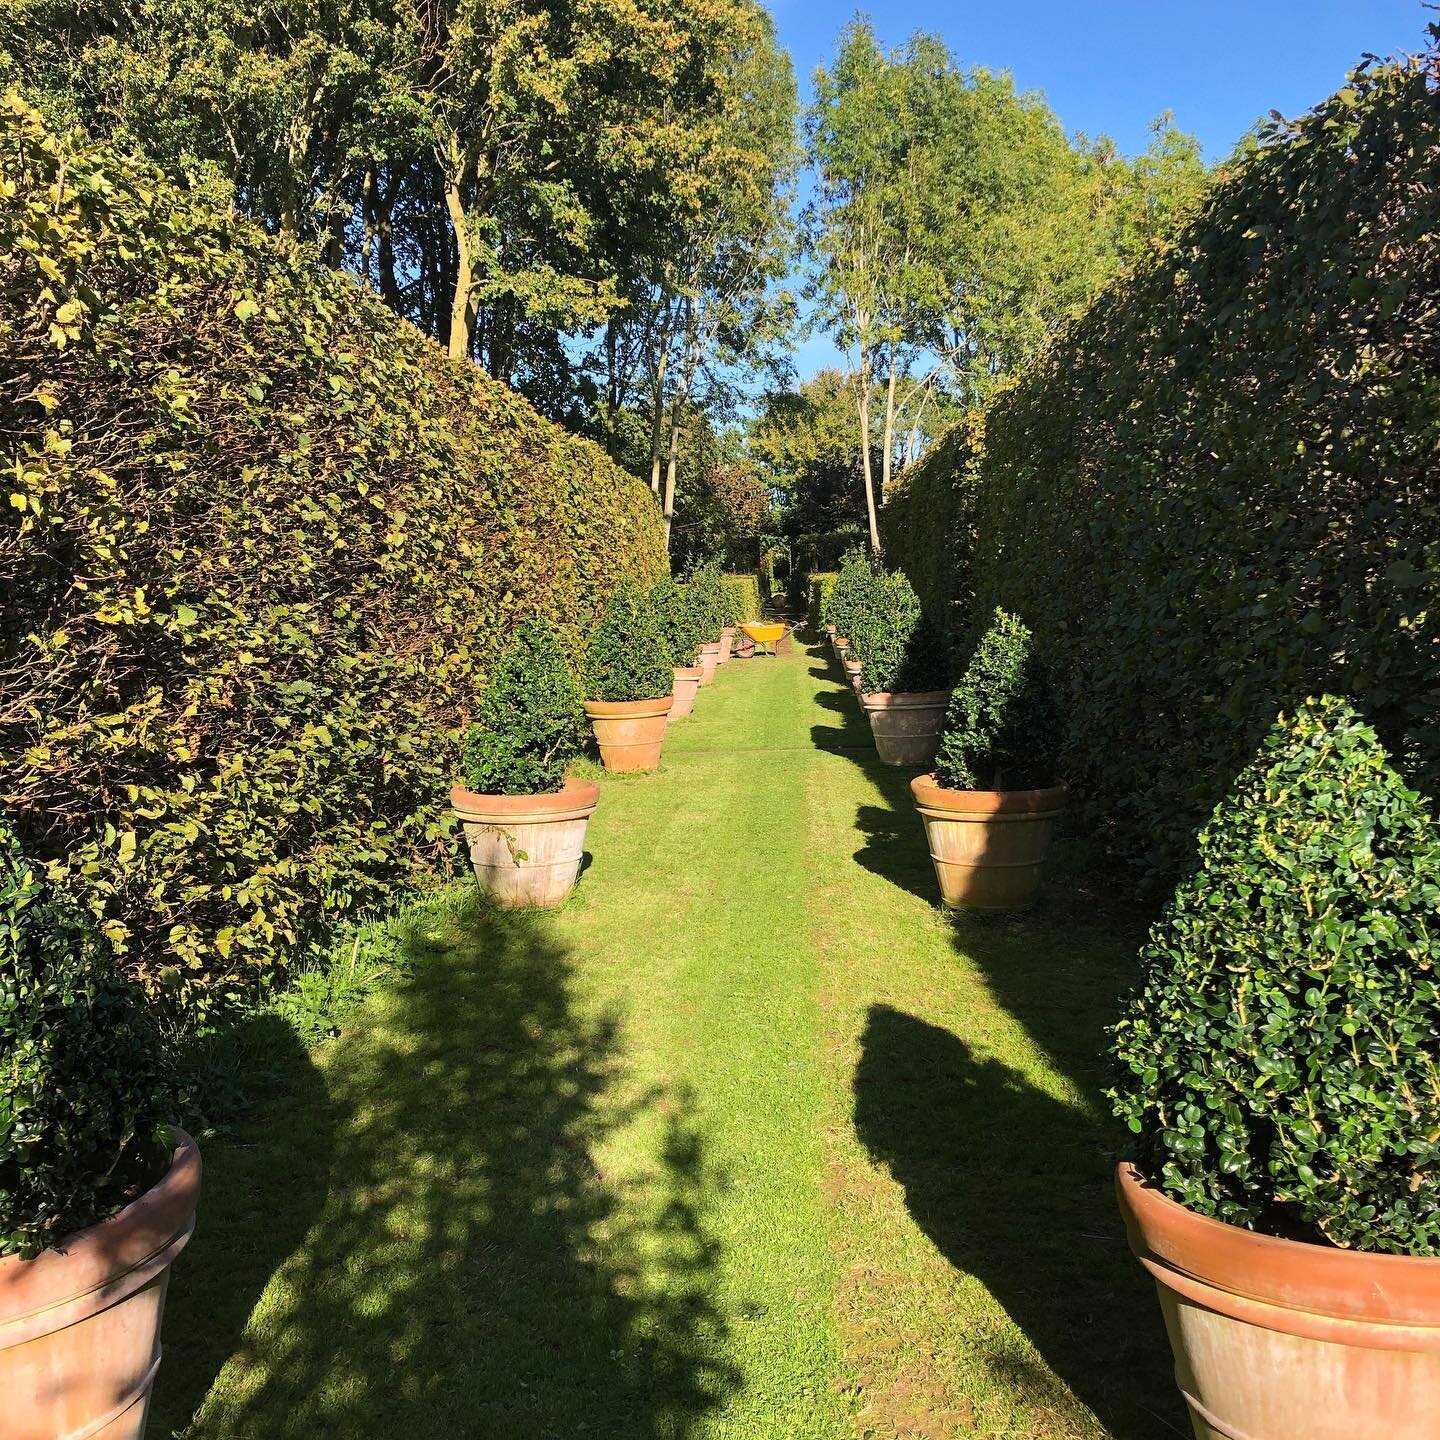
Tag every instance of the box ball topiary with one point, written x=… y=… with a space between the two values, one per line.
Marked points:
x=531 y=721
x=1002 y=730
x=846 y=599
x=83 y=1095
x=628 y=657
x=901 y=651
x=679 y=619
x=1280 y=1059
x=712 y=605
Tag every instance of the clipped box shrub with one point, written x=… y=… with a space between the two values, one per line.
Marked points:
x=1213 y=495
x=901 y=650
x=817 y=597
x=262 y=544
x=629 y=657
x=743 y=595
x=1280 y=1060
x=845 y=604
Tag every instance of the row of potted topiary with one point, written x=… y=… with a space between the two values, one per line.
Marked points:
x=524 y=817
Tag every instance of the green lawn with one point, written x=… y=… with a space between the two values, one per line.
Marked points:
x=749 y=1140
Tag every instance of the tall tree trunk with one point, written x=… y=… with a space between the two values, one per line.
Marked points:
x=462 y=300
x=863 y=406
x=672 y=465
x=886 y=462
x=657 y=418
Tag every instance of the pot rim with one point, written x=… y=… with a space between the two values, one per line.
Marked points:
x=932 y=797
x=711 y=645
x=689 y=672
x=1350 y=1296
x=72 y=1279
x=629 y=709
x=905 y=699
x=574 y=798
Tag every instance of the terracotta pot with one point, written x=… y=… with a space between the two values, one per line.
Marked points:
x=907 y=725
x=988 y=845
x=80 y=1324
x=527 y=849
x=687 y=684
x=852 y=673
x=830 y=631
x=709 y=659
x=630 y=733
x=1279 y=1340
x=839 y=644
x=727 y=641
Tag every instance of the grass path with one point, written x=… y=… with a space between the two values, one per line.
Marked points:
x=748 y=1141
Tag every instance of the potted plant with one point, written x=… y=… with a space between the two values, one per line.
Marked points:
x=903 y=675
x=678 y=619
x=524 y=820
x=845 y=598
x=630 y=679
x=991 y=803
x=1280 y=1072
x=707 y=595
x=97 y=1194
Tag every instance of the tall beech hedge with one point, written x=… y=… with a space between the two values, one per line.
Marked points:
x=262 y=543
x=1216 y=492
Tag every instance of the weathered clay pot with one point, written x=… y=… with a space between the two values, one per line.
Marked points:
x=80 y=1324
x=1279 y=1340
x=629 y=733
x=727 y=641
x=988 y=845
x=687 y=684
x=527 y=849
x=907 y=724
x=852 y=673
x=839 y=644
x=709 y=659
x=830 y=631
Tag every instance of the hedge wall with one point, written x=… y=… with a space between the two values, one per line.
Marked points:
x=1215 y=493
x=262 y=542
x=817 y=591
x=745 y=593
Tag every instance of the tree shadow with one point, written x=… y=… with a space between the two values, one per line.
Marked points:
x=1014 y=1186
x=472 y=1270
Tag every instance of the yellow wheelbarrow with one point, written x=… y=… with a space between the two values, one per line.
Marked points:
x=772 y=633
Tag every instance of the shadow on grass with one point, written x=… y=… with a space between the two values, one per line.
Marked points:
x=1013 y=1186
x=471 y=1270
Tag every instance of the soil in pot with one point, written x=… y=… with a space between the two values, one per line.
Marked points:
x=988 y=846
x=1283 y=1340
x=906 y=725
x=630 y=733
x=526 y=850
x=80 y=1324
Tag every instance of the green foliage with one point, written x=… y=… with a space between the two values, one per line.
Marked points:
x=629 y=657
x=531 y=722
x=818 y=587
x=83 y=1098
x=262 y=542
x=680 y=621
x=1280 y=1060
x=1002 y=731
x=899 y=648
x=743 y=597
x=1214 y=495
x=846 y=603
x=712 y=604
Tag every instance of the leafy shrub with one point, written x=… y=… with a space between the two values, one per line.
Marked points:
x=900 y=649
x=817 y=598
x=1281 y=1058
x=743 y=595
x=629 y=658
x=847 y=595
x=679 y=620
x=707 y=595
x=531 y=721
x=1214 y=494
x=231 y=725
x=83 y=1096
x=1002 y=731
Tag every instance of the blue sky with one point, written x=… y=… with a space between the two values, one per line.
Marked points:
x=1111 y=66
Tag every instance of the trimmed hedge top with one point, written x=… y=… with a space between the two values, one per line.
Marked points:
x=1281 y=1058
x=1002 y=731
x=262 y=540
x=83 y=1100
x=531 y=722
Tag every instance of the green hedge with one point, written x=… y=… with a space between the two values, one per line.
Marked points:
x=262 y=543
x=817 y=592
x=744 y=591
x=1215 y=493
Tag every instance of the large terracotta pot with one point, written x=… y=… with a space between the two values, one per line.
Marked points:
x=852 y=673
x=1279 y=1340
x=709 y=659
x=907 y=725
x=527 y=849
x=629 y=733
x=687 y=684
x=727 y=641
x=988 y=845
x=80 y=1324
